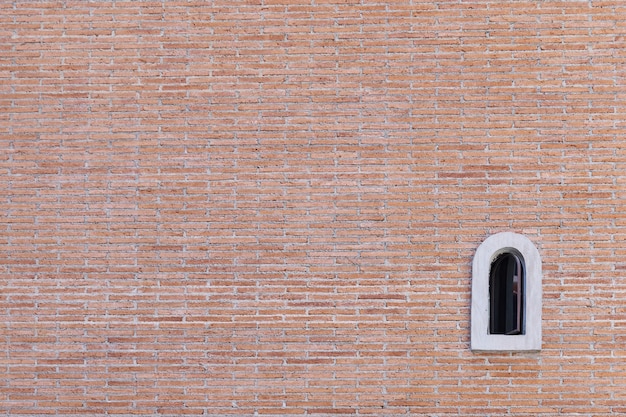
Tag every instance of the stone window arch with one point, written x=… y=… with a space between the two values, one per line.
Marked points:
x=506 y=294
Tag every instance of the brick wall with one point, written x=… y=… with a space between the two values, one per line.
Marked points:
x=271 y=206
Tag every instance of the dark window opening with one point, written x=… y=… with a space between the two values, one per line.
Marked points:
x=506 y=295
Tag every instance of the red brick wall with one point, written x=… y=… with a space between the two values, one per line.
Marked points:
x=271 y=206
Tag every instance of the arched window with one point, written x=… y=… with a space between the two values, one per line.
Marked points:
x=506 y=294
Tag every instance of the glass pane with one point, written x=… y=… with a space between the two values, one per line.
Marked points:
x=505 y=295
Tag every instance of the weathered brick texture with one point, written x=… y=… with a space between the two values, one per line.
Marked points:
x=271 y=206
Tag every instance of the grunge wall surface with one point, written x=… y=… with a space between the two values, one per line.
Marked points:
x=271 y=206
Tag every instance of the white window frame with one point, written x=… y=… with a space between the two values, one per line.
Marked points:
x=486 y=253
